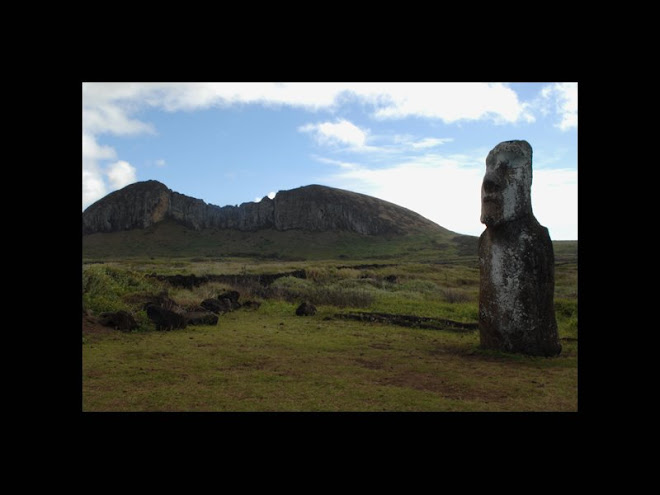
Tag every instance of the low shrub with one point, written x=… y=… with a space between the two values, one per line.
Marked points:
x=293 y=289
x=106 y=289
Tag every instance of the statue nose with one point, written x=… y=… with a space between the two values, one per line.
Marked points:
x=490 y=185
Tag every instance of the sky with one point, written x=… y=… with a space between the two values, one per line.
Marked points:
x=419 y=145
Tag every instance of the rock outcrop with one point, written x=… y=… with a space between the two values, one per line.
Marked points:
x=311 y=208
x=306 y=309
x=165 y=319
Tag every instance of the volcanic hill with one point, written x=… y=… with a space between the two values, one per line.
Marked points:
x=312 y=208
x=148 y=218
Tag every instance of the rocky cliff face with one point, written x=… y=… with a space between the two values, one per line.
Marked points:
x=311 y=208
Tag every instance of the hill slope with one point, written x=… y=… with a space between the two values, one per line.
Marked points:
x=311 y=208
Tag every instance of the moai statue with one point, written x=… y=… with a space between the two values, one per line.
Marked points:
x=516 y=259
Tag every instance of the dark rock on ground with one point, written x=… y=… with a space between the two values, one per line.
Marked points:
x=251 y=304
x=391 y=279
x=165 y=319
x=306 y=309
x=120 y=320
x=229 y=305
x=216 y=306
x=201 y=318
x=162 y=300
x=232 y=295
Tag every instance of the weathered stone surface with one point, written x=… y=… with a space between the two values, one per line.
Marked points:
x=306 y=309
x=120 y=320
x=165 y=319
x=312 y=208
x=516 y=259
x=201 y=318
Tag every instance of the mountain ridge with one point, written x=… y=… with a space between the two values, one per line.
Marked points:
x=313 y=208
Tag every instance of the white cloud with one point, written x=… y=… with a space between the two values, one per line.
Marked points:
x=430 y=142
x=338 y=163
x=93 y=151
x=341 y=132
x=437 y=187
x=191 y=96
x=554 y=200
x=450 y=102
x=564 y=96
x=108 y=107
x=447 y=190
x=121 y=174
x=344 y=133
x=160 y=162
x=93 y=185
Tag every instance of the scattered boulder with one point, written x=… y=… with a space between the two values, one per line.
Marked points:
x=228 y=305
x=162 y=300
x=232 y=295
x=306 y=309
x=392 y=279
x=201 y=318
x=165 y=319
x=119 y=320
x=216 y=306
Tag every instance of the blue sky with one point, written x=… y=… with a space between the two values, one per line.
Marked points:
x=419 y=145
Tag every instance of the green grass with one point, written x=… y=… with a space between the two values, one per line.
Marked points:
x=272 y=360
x=172 y=240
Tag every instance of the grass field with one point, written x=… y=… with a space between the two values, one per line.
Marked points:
x=272 y=360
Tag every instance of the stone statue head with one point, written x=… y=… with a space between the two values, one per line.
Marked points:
x=506 y=192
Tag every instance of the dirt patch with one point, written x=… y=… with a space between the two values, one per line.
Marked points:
x=370 y=364
x=438 y=385
x=378 y=345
